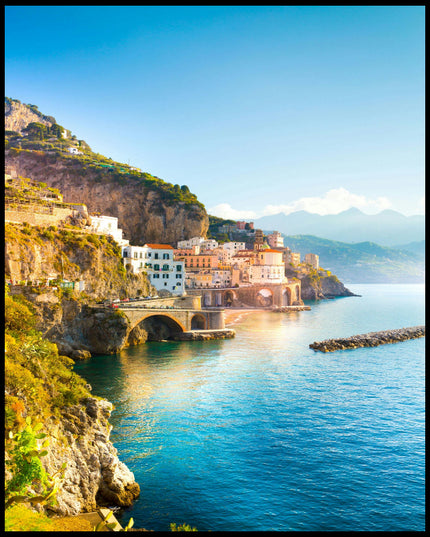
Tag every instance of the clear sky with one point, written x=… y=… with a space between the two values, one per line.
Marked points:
x=258 y=109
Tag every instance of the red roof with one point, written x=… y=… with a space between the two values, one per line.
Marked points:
x=160 y=246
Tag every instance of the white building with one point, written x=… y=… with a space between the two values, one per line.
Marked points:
x=265 y=274
x=108 y=225
x=189 y=243
x=74 y=151
x=208 y=244
x=221 y=278
x=164 y=272
x=134 y=258
x=233 y=247
x=313 y=260
x=275 y=240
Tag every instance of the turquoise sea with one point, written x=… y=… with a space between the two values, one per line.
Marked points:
x=262 y=433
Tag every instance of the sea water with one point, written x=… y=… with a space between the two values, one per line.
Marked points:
x=262 y=433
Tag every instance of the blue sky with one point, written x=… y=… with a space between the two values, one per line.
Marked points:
x=258 y=109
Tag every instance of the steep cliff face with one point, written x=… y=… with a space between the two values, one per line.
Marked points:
x=19 y=115
x=34 y=253
x=94 y=475
x=142 y=212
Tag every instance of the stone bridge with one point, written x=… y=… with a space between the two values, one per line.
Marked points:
x=174 y=318
x=182 y=320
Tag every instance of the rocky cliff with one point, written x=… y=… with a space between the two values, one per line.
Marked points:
x=317 y=285
x=144 y=211
x=33 y=254
x=19 y=115
x=94 y=475
x=41 y=388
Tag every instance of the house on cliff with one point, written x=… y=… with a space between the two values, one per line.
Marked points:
x=157 y=260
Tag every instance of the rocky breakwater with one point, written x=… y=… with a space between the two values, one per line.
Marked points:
x=94 y=475
x=372 y=339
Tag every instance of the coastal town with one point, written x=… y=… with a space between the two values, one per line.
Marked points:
x=225 y=274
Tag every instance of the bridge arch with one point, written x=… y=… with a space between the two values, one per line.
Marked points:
x=158 y=326
x=229 y=297
x=265 y=297
x=198 y=322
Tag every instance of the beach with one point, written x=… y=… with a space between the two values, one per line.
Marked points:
x=234 y=316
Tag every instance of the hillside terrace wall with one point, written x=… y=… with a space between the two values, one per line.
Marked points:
x=39 y=215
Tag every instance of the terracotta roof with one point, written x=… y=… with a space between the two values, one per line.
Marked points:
x=271 y=251
x=160 y=246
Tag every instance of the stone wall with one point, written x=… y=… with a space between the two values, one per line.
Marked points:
x=54 y=217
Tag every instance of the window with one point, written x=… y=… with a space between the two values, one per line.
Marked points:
x=165 y=276
x=178 y=268
x=178 y=276
x=156 y=267
x=155 y=276
x=156 y=255
x=166 y=256
x=135 y=255
x=165 y=267
x=140 y=255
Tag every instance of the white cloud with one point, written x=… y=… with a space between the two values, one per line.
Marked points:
x=333 y=202
x=224 y=210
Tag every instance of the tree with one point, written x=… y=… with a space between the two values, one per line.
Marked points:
x=36 y=131
x=56 y=130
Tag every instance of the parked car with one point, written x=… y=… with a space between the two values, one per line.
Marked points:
x=116 y=300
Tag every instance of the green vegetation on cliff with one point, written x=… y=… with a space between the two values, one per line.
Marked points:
x=38 y=381
x=34 y=252
x=49 y=140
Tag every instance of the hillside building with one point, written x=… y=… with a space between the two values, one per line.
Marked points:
x=275 y=240
x=157 y=260
x=108 y=225
x=313 y=260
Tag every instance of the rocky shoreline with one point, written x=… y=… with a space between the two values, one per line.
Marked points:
x=205 y=335
x=283 y=309
x=372 y=339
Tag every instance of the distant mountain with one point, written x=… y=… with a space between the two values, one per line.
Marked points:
x=365 y=262
x=387 y=228
x=418 y=248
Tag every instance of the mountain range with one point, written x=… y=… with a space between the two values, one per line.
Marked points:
x=387 y=228
x=364 y=262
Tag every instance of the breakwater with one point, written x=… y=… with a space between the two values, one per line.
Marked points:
x=372 y=339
